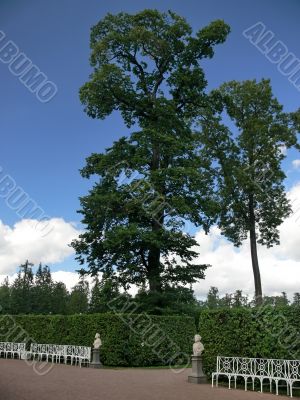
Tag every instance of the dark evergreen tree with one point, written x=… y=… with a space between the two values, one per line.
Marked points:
x=175 y=300
x=79 y=298
x=239 y=300
x=42 y=291
x=213 y=299
x=103 y=292
x=22 y=290
x=5 y=297
x=59 y=298
x=226 y=301
x=296 y=299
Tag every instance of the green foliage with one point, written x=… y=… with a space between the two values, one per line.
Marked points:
x=21 y=290
x=296 y=299
x=147 y=66
x=39 y=294
x=172 y=301
x=5 y=297
x=42 y=291
x=214 y=301
x=128 y=339
x=78 y=300
x=249 y=159
x=103 y=292
x=265 y=332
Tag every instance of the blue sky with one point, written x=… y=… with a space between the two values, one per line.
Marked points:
x=43 y=145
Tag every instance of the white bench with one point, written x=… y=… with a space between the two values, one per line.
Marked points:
x=12 y=349
x=76 y=355
x=249 y=369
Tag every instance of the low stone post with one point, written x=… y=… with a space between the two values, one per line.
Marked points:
x=197 y=375
x=96 y=363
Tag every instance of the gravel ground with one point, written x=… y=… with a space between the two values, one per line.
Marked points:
x=19 y=381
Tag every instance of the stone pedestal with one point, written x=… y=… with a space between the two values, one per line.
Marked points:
x=96 y=363
x=197 y=375
x=26 y=355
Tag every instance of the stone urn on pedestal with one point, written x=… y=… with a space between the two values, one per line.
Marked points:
x=96 y=363
x=197 y=375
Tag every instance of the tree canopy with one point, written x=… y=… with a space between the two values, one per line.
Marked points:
x=147 y=66
x=249 y=157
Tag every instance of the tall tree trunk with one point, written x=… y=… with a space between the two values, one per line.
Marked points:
x=154 y=271
x=253 y=247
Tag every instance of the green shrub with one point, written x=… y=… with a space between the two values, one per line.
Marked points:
x=127 y=339
x=265 y=332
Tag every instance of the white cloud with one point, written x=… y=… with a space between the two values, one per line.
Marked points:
x=296 y=164
x=46 y=242
x=283 y=149
x=70 y=279
x=231 y=267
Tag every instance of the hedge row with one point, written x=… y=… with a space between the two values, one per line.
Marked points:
x=127 y=339
x=264 y=332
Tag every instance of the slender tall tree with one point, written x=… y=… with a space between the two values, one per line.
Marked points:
x=249 y=156
x=147 y=66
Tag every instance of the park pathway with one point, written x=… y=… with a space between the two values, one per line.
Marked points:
x=19 y=381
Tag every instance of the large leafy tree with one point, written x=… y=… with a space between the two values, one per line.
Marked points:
x=249 y=153
x=147 y=67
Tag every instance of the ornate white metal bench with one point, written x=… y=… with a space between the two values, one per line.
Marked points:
x=258 y=368
x=76 y=355
x=12 y=349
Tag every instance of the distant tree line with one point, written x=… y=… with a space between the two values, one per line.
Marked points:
x=238 y=299
x=38 y=293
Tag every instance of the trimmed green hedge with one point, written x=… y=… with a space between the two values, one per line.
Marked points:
x=264 y=332
x=127 y=339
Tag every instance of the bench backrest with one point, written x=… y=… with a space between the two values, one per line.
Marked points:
x=61 y=350
x=12 y=347
x=287 y=369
